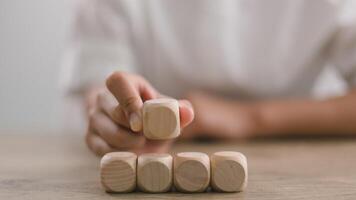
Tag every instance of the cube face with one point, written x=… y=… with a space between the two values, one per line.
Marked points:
x=154 y=172
x=161 y=119
x=160 y=122
x=157 y=173
x=118 y=172
x=229 y=171
x=191 y=171
x=228 y=176
x=191 y=176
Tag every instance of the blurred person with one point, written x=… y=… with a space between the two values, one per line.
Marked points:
x=242 y=69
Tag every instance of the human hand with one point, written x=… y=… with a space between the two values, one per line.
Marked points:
x=220 y=118
x=115 y=117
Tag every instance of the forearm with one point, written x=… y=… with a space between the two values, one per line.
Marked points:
x=334 y=116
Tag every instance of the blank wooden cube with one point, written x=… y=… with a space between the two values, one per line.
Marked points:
x=229 y=171
x=154 y=172
x=118 y=171
x=191 y=172
x=161 y=119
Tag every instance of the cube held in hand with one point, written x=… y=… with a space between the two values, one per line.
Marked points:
x=161 y=119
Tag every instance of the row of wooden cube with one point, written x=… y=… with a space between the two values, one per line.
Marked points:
x=224 y=171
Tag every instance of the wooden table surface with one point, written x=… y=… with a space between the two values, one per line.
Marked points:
x=61 y=167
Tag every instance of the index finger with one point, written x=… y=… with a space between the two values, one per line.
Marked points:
x=129 y=90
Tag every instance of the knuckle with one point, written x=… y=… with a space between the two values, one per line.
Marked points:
x=93 y=120
x=118 y=117
x=101 y=100
x=129 y=101
x=116 y=114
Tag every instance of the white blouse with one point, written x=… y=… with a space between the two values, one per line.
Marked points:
x=243 y=48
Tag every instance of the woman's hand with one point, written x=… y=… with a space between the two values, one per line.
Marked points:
x=115 y=119
x=220 y=118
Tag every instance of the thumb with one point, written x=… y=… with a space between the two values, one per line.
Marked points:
x=186 y=113
x=128 y=90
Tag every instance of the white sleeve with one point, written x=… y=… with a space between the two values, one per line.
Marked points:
x=99 y=45
x=343 y=46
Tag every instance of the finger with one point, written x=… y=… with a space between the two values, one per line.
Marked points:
x=113 y=134
x=128 y=90
x=109 y=105
x=96 y=144
x=90 y=99
x=106 y=102
x=118 y=115
x=186 y=113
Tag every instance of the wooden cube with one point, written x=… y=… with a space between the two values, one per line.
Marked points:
x=191 y=172
x=154 y=172
x=161 y=119
x=118 y=171
x=229 y=171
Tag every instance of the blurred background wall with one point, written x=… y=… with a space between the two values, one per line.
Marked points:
x=33 y=36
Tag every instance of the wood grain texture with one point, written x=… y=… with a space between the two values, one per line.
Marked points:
x=191 y=171
x=154 y=172
x=53 y=166
x=229 y=171
x=161 y=119
x=118 y=171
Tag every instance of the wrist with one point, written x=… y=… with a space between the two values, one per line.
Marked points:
x=274 y=118
x=259 y=120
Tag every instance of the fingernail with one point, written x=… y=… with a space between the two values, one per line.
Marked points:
x=135 y=122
